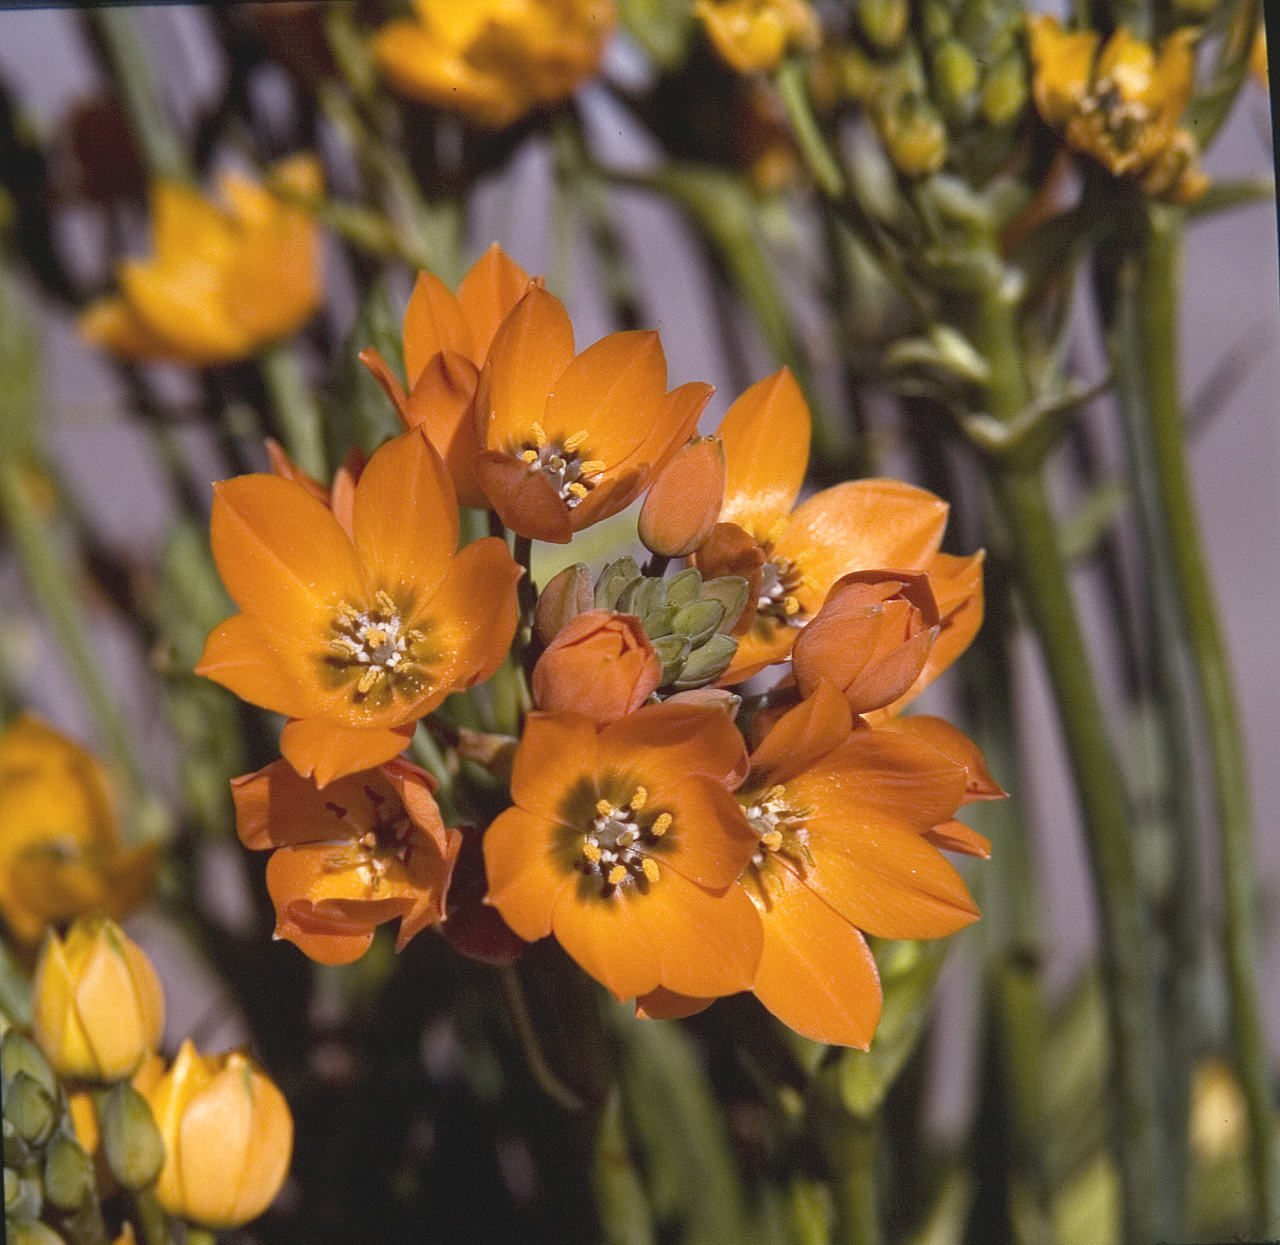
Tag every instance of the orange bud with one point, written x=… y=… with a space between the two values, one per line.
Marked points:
x=228 y=1138
x=601 y=665
x=97 y=1008
x=684 y=502
x=566 y=595
x=871 y=637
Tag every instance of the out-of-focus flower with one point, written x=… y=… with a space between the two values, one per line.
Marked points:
x=1121 y=104
x=1219 y=1125
x=1258 y=58
x=97 y=1008
x=494 y=60
x=570 y=439
x=446 y=341
x=228 y=1138
x=791 y=558
x=356 y=636
x=684 y=503
x=626 y=843
x=601 y=665
x=369 y=848
x=61 y=852
x=82 y=1105
x=754 y=35
x=843 y=819
x=223 y=281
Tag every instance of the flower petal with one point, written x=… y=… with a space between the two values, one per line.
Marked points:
x=956 y=746
x=678 y=741
x=556 y=751
x=488 y=293
x=323 y=750
x=802 y=735
x=711 y=840
x=526 y=874
x=664 y=1004
x=433 y=321
x=239 y=656
x=523 y=499
x=955 y=836
x=442 y=403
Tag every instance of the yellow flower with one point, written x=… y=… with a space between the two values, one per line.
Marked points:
x=1121 y=104
x=228 y=1138
x=494 y=60
x=61 y=852
x=96 y=1005
x=754 y=35
x=223 y=281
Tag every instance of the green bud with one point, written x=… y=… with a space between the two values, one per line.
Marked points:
x=955 y=76
x=23 y=1196
x=660 y=622
x=16 y=1151
x=708 y=663
x=32 y=1232
x=1004 y=94
x=18 y=1053
x=562 y=599
x=731 y=592
x=642 y=595
x=613 y=579
x=684 y=587
x=915 y=138
x=68 y=1172
x=935 y=16
x=131 y=1141
x=698 y=620
x=672 y=651
x=30 y=1109
x=884 y=22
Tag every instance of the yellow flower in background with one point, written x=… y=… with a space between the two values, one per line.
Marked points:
x=494 y=60
x=97 y=1008
x=228 y=1138
x=224 y=280
x=1121 y=104
x=1258 y=58
x=61 y=852
x=754 y=35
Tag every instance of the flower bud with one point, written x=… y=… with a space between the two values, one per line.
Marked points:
x=684 y=503
x=565 y=596
x=915 y=138
x=32 y=1232
x=1005 y=90
x=68 y=1172
x=29 y=1109
x=18 y=1053
x=97 y=1007
x=601 y=664
x=884 y=22
x=228 y=1137
x=131 y=1141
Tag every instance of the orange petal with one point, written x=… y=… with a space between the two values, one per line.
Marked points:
x=488 y=293
x=274 y=284
x=956 y=746
x=681 y=509
x=239 y=656
x=276 y=807
x=816 y=972
x=442 y=403
x=955 y=836
x=323 y=750
x=957 y=587
x=184 y=302
x=526 y=873
x=710 y=837
x=802 y=735
x=112 y=323
x=766 y=439
x=663 y=1004
x=556 y=752
x=433 y=321
x=385 y=377
x=405 y=518
x=613 y=492
x=283 y=465
x=532 y=346
x=524 y=499
x=326 y=941
x=677 y=741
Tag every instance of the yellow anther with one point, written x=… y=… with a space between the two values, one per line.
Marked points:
x=385 y=603
x=578 y=490
x=775 y=793
x=529 y=456
x=572 y=443
x=650 y=868
x=772 y=840
x=604 y=808
x=591 y=851
x=592 y=467
x=616 y=874
x=661 y=824
x=539 y=437
x=790 y=606
x=639 y=800
x=377 y=636
x=347 y=613
x=369 y=679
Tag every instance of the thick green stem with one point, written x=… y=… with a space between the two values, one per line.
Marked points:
x=1045 y=587
x=1156 y=302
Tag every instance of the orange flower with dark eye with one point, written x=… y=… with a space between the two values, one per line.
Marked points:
x=355 y=636
x=626 y=844
x=846 y=823
x=446 y=341
x=791 y=558
x=368 y=848
x=569 y=439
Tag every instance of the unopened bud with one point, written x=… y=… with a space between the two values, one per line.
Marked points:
x=1004 y=93
x=30 y=1109
x=915 y=138
x=707 y=663
x=955 y=76
x=884 y=22
x=565 y=596
x=19 y=1053
x=131 y=1141
x=32 y=1232
x=602 y=665
x=698 y=620
x=732 y=592
x=613 y=579
x=709 y=698
x=684 y=503
x=68 y=1172
x=23 y=1196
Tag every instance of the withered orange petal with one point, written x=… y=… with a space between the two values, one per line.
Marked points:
x=766 y=436
x=664 y=1004
x=710 y=834
x=556 y=751
x=612 y=391
x=282 y=555
x=676 y=741
x=414 y=786
x=955 y=836
x=238 y=655
x=862 y=524
x=488 y=293
x=405 y=518
x=802 y=735
x=323 y=750
x=816 y=973
x=325 y=941
x=525 y=875
x=385 y=377
x=956 y=746
x=433 y=321
x=532 y=346
x=523 y=499
x=443 y=405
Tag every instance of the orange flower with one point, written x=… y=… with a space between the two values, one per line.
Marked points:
x=754 y=35
x=844 y=820
x=339 y=497
x=355 y=636
x=625 y=843
x=600 y=664
x=570 y=439
x=494 y=60
x=446 y=341
x=791 y=558
x=370 y=848
x=682 y=506
x=222 y=283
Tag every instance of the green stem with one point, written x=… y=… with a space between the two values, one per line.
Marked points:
x=620 y=1197
x=818 y=158
x=1045 y=586
x=296 y=411
x=152 y=1221
x=541 y=1071
x=853 y=1155
x=1159 y=262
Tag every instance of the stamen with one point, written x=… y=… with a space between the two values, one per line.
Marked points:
x=639 y=799
x=539 y=437
x=372 y=647
x=368 y=679
x=529 y=456
x=772 y=840
x=571 y=443
x=791 y=606
x=578 y=490
x=591 y=851
x=616 y=874
x=604 y=808
x=592 y=467
x=649 y=867
x=662 y=823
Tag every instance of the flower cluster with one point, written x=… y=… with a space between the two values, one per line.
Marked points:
x=680 y=841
